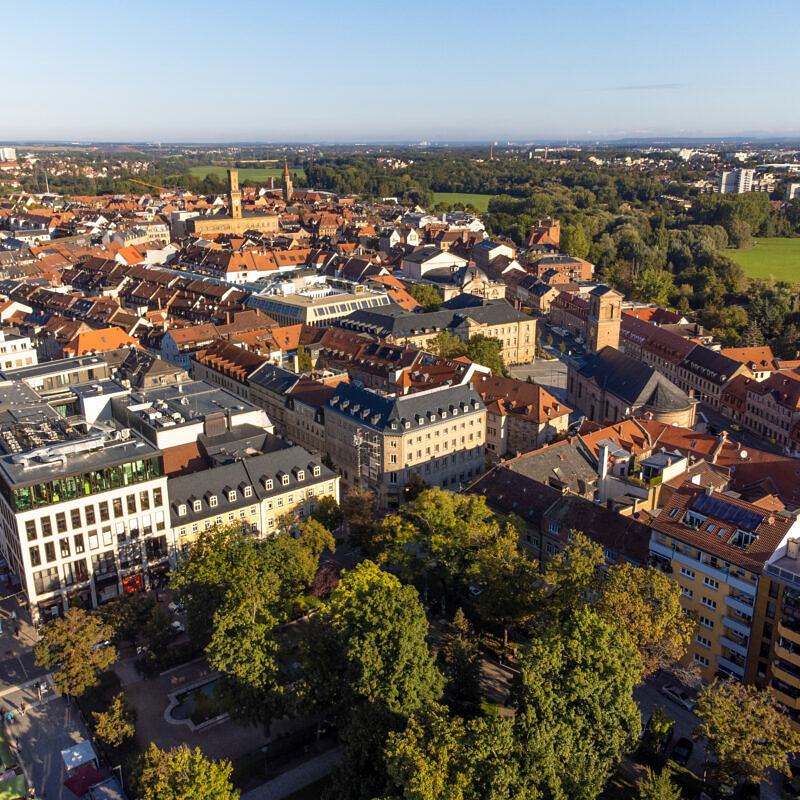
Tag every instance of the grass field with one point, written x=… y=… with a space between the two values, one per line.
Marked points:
x=777 y=257
x=246 y=173
x=480 y=201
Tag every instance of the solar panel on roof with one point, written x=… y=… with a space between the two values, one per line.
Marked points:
x=740 y=517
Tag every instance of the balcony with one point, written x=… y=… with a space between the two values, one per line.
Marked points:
x=730 y=667
x=738 y=646
x=789 y=628
x=740 y=626
x=721 y=575
x=786 y=694
x=786 y=672
x=738 y=603
x=786 y=652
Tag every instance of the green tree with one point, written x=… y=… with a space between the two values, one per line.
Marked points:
x=426 y=295
x=183 y=774
x=488 y=352
x=71 y=648
x=116 y=724
x=358 y=508
x=647 y=604
x=573 y=576
x=315 y=538
x=157 y=631
x=658 y=786
x=329 y=513
x=654 y=286
x=440 y=757
x=574 y=241
x=658 y=729
x=303 y=359
x=446 y=345
x=576 y=716
x=369 y=644
x=126 y=615
x=461 y=663
x=414 y=487
x=746 y=731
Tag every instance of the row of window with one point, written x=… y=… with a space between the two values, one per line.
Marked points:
x=90 y=514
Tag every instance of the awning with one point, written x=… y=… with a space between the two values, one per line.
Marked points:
x=14 y=788
x=109 y=789
x=78 y=754
x=88 y=775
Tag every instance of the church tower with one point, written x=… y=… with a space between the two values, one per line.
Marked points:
x=234 y=195
x=287 y=182
x=604 y=319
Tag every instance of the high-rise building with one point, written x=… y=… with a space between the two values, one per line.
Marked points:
x=736 y=181
x=8 y=154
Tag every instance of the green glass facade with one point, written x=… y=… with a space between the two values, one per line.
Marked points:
x=83 y=485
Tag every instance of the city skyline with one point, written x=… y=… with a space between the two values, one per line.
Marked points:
x=354 y=73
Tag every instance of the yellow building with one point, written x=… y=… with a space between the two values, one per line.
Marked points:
x=254 y=493
x=235 y=221
x=716 y=548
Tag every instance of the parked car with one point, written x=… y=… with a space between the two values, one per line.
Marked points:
x=475 y=590
x=682 y=751
x=678 y=695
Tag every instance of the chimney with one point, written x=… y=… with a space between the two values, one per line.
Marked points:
x=602 y=466
x=709 y=490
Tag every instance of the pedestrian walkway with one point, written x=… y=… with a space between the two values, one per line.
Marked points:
x=297 y=778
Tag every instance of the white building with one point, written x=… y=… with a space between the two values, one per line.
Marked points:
x=736 y=181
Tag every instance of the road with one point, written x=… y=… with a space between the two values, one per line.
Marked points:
x=717 y=422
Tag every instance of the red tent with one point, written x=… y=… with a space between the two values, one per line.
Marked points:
x=88 y=775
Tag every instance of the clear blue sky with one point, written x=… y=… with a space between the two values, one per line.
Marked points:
x=349 y=70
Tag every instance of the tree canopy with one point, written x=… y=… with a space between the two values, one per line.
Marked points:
x=183 y=774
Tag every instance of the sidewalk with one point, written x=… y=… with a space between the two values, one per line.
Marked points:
x=297 y=778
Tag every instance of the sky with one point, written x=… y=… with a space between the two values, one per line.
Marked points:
x=356 y=71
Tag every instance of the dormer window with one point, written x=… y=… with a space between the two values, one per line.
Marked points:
x=182 y=510
x=301 y=475
x=316 y=471
x=212 y=501
x=232 y=496
x=248 y=491
x=197 y=505
x=285 y=480
x=268 y=484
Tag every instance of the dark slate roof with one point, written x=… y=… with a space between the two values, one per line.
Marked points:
x=375 y=411
x=273 y=378
x=568 y=464
x=252 y=472
x=710 y=365
x=632 y=381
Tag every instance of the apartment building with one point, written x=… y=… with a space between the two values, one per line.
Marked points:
x=377 y=442
x=318 y=306
x=716 y=547
x=82 y=506
x=736 y=181
x=772 y=409
x=252 y=492
x=16 y=351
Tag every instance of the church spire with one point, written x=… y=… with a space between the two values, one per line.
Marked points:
x=287 y=182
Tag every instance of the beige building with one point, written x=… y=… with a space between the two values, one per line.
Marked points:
x=377 y=442
x=252 y=492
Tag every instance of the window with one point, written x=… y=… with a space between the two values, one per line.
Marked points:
x=301 y=475
x=212 y=501
x=711 y=583
x=316 y=470
x=252 y=511
x=701 y=640
x=30 y=530
x=706 y=622
x=285 y=480
x=182 y=509
x=75 y=518
x=77 y=540
x=553 y=527
x=248 y=491
x=197 y=505
x=195 y=527
x=117 y=504
x=131 y=503
x=144 y=499
x=147 y=526
x=231 y=516
x=242 y=512
x=61 y=522
x=104 y=516
x=90 y=515
x=232 y=496
x=687 y=573
x=289 y=499
x=158 y=499
x=49 y=551
x=35 y=555
x=686 y=592
x=46 y=580
x=47 y=526
x=702 y=660
x=93 y=541
x=709 y=603
x=160 y=524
